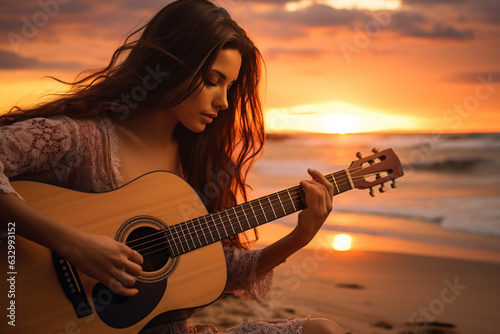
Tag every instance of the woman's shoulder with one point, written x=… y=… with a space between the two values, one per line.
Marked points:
x=52 y=122
x=61 y=128
x=83 y=126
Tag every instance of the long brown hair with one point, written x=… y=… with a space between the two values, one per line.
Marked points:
x=166 y=64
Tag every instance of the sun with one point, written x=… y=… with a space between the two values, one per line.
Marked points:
x=335 y=117
x=342 y=242
x=340 y=123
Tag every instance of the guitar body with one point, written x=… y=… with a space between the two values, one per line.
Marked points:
x=150 y=203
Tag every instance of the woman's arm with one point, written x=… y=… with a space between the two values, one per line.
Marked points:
x=318 y=196
x=110 y=262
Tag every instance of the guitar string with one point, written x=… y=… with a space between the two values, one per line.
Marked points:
x=241 y=205
x=219 y=224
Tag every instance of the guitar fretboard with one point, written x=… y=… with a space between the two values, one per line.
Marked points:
x=195 y=233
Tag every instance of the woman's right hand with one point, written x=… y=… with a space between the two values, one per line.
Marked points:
x=112 y=263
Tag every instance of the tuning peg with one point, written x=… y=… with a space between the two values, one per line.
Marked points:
x=372 y=193
x=382 y=188
x=394 y=184
x=359 y=155
x=375 y=150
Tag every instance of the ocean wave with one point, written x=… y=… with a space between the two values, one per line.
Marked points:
x=485 y=222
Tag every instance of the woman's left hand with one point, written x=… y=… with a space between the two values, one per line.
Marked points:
x=318 y=194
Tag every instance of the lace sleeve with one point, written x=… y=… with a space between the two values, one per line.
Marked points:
x=242 y=279
x=34 y=147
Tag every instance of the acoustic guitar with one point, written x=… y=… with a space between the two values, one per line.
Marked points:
x=161 y=217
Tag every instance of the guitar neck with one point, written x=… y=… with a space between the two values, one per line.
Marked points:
x=193 y=234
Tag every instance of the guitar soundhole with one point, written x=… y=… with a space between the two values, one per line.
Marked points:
x=147 y=235
x=152 y=245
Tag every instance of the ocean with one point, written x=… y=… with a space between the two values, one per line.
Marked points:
x=451 y=185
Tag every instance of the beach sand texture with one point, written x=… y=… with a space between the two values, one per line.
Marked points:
x=375 y=293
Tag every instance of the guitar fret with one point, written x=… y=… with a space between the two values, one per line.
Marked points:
x=303 y=201
x=179 y=241
x=229 y=221
x=346 y=180
x=246 y=217
x=253 y=212
x=185 y=242
x=209 y=229
x=335 y=183
x=187 y=234
x=198 y=231
x=295 y=209
x=271 y=204
x=238 y=219
x=216 y=228
x=182 y=243
x=203 y=231
x=282 y=206
x=169 y=237
x=197 y=236
x=177 y=238
x=223 y=225
x=189 y=238
x=263 y=211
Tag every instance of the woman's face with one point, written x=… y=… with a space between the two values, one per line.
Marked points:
x=203 y=105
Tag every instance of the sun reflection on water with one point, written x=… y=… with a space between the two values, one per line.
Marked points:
x=342 y=242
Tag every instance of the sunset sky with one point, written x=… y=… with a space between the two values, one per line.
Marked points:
x=334 y=66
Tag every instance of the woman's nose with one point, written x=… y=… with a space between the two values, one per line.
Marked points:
x=220 y=101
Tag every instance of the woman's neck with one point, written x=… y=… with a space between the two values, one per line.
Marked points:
x=146 y=143
x=151 y=129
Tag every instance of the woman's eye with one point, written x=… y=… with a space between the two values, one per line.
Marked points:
x=210 y=83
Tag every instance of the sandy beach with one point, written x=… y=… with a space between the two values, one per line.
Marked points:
x=372 y=291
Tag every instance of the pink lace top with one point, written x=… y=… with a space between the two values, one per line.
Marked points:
x=83 y=155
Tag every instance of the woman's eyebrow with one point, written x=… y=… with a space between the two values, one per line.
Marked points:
x=222 y=75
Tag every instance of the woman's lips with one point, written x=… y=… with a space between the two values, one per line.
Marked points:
x=209 y=117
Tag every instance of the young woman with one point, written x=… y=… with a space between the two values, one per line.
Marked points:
x=183 y=97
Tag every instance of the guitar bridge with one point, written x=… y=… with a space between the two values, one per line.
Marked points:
x=71 y=285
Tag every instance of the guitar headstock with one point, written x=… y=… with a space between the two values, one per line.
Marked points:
x=376 y=169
